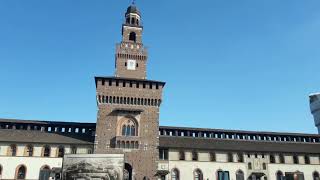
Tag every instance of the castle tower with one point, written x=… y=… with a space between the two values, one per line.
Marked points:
x=315 y=108
x=128 y=105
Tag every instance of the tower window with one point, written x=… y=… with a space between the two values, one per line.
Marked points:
x=132 y=36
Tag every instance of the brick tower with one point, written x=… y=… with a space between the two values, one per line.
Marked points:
x=128 y=105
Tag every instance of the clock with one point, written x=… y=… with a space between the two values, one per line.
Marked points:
x=131 y=64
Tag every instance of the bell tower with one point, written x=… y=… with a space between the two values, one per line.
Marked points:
x=129 y=105
x=131 y=55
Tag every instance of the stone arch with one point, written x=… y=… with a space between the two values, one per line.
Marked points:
x=128 y=126
x=315 y=175
x=21 y=172
x=127 y=172
x=175 y=174
x=279 y=175
x=239 y=175
x=197 y=174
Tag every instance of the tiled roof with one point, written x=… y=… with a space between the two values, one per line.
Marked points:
x=32 y=136
x=237 y=145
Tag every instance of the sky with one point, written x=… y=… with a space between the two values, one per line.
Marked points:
x=228 y=64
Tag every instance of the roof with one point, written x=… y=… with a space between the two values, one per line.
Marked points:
x=237 y=145
x=37 y=122
x=172 y=128
x=31 y=136
x=132 y=9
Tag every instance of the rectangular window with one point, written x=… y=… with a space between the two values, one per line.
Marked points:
x=163 y=154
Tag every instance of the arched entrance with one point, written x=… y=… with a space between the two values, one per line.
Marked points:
x=127 y=172
x=257 y=176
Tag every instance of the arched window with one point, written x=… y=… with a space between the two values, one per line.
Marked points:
x=316 y=176
x=129 y=128
x=44 y=172
x=197 y=175
x=128 y=20
x=181 y=155
x=239 y=175
x=46 y=151
x=175 y=174
x=138 y=22
x=223 y=175
x=249 y=165
x=132 y=36
x=124 y=129
x=133 y=130
x=279 y=175
x=12 y=150
x=21 y=172
x=28 y=151
x=60 y=151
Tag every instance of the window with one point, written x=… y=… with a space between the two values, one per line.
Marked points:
x=21 y=172
x=223 y=175
x=0 y=170
x=181 y=155
x=61 y=151
x=315 y=175
x=295 y=159
x=272 y=159
x=264 y=166
x=89 y=151
x=197 y=174
x=212 y=156
x=73 y=150
x=163 y=154
x=281 y=159
x=279 y=175
x=129 y=128
x=230 y=157
x=306 y=159
x=240 y=175
x=249 y=165
x=29 y=150
x=46 y=151
x=132 y=36
x=175 y=174
x=194 y=156
x=12 y=150
x=240 y=157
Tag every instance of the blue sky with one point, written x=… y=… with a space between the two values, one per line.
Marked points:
x=228 y=64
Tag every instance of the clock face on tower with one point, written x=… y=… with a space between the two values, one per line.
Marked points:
x=131 y=64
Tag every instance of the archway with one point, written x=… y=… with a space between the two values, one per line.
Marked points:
x=44 y=173
x=127 y=172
